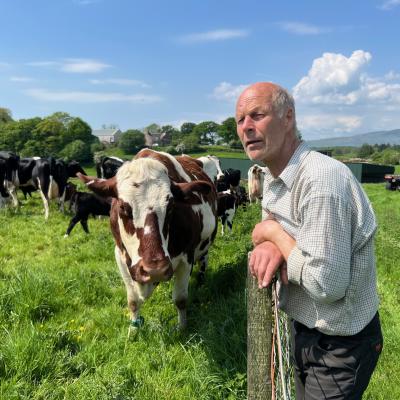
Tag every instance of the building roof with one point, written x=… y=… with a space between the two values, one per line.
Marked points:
x=105 y=132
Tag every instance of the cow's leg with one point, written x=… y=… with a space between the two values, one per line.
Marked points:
x=203 y=262
x=180 y=292
x=62 y=201
x=229 y=219
x=136 y=292
x=12 y=190
x=43 y=190
x=74 y=220
x=223 y=222
x=84 y=223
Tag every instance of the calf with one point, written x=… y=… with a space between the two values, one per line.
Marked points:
x=226 y=209
x=164 y=219
x=84 y=205
x=255 y=183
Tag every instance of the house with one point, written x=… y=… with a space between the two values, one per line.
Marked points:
x=107 y=135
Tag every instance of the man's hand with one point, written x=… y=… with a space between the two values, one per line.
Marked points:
x=264 y=261
x=265 y=230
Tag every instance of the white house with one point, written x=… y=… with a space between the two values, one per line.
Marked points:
x=107 y=135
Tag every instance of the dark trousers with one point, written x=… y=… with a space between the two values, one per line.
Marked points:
x=334 y=367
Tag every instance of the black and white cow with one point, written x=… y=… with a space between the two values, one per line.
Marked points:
x=226 y=209
x=107 y=167
x=230 y=180
x=164 y=219
x=86 y=204
x=9 y=166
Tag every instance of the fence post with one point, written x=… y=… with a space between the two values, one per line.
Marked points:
x=259 y=337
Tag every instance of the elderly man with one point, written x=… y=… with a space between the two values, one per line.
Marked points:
x=318 y=229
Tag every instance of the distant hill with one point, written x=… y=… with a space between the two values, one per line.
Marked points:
x=380 y=137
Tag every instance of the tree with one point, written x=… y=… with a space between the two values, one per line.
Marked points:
x=131 y=141
x=365 y=150
x=227 y=130
x=5 y=115
x=77 y=150
x=206 y=132
x=187 y=128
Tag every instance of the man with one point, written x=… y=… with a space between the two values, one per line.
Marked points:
x=317 y=230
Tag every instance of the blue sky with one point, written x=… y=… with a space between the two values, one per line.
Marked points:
x=132 y=63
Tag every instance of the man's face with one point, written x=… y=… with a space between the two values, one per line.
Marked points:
x=261 y=131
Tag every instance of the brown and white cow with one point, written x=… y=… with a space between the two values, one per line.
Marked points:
x=255 y=183
x=164 y=219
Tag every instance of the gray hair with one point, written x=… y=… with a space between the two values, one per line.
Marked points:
x=281 y=101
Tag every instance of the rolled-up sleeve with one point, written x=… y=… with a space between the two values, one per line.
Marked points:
x=320 y=261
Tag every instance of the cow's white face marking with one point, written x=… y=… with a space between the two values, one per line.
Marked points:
x=143 y=184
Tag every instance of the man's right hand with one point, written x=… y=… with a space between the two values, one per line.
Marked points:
x=264 y=261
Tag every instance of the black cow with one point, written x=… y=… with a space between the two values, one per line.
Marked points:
x=4 y=195
x=9 y=168
x=107 y=167
x=84 y=205
x=230 y=180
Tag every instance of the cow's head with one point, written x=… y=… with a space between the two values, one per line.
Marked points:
x=144 y=198
x=73 y=168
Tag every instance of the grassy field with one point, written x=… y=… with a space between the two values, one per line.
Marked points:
x=64 y=321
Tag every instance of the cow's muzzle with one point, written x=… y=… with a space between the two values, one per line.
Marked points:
x=154 y=271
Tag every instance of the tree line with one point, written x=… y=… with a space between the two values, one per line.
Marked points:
x=62 y=135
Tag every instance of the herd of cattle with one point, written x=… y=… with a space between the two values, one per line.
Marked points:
x=163 y=210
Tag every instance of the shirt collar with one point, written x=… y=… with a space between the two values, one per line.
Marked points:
x=288 y=175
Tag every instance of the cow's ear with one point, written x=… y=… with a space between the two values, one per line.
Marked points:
x=182 y=191
x=102 y=187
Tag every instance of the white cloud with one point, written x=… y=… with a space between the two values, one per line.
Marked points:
x=213 y=36
x=333 y=78
x=339 y=97
x=73 y=65
x=228 y=92
x=122 y=82
x=388 y=5
x=80 y=65
x=21 y=79
x=329 y=123
x=299 y=28
x=42 y=63
x=90 y=97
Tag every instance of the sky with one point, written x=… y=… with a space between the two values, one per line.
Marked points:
x=132 y=63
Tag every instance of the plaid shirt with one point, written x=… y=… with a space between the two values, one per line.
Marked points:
x=331 y=270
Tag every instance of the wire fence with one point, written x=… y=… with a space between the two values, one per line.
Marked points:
x=281 y=367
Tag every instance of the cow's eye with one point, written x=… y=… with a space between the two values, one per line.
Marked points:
x=136 y=185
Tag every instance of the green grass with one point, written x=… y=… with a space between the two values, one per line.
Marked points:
x=64 y=320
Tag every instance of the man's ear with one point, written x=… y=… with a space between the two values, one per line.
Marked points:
x=102 y=187
x=289 y=117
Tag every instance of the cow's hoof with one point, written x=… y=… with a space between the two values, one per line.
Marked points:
x=137 y=323
x=65 y=236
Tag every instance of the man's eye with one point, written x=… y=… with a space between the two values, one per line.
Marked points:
x=258 y=116
x=240 y=121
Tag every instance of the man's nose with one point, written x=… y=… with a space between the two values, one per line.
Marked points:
x=248 y=124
